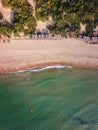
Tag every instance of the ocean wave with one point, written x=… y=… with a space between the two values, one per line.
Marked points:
x=50 y=67
x=17 y=72
x=42 y=68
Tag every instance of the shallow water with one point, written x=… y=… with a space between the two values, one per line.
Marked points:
x=55 y=99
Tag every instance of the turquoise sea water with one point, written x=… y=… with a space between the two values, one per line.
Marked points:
x=55 y=99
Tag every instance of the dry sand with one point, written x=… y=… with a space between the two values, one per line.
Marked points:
x=7 y=13
x=23 y=54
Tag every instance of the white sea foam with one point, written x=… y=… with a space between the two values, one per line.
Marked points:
x=17 y=72
x=50 y=67
x=42 y=68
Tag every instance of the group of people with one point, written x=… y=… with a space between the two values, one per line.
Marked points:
x=4 y=40
x=93 y=38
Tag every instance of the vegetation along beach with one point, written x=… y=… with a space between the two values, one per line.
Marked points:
x=48 y=65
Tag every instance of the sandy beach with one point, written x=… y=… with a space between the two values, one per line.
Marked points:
x=22 y=54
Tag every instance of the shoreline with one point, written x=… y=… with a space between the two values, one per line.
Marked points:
x=21 y=55
x=45 y=66
x=41 y=68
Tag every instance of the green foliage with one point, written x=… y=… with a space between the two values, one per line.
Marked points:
x=67 y=15
x=1 y=16
x=23 y=16
x=5 y=28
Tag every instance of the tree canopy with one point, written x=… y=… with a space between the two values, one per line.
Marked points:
x=67 y=16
